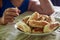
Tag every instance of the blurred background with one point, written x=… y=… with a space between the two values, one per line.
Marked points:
x=56 y=2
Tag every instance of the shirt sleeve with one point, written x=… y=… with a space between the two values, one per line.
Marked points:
x=1 y=13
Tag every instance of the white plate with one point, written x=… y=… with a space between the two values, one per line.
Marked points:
x=43 y=34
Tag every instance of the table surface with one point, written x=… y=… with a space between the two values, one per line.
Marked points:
x=8 y=32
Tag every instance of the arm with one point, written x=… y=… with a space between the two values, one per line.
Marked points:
x=0 y=21
x=43 y=8
x=0 y=7
x=0 y=3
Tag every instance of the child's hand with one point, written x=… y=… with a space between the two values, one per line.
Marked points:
x=9 y=15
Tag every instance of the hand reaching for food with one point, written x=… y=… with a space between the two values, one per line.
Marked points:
x=9 y=15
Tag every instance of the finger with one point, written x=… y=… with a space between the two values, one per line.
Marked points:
x=18 y=10
x=11 y=14
x=9 y=17
x=13 y=10
x=10 y=20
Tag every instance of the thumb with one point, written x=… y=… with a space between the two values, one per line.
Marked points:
x=17 y=11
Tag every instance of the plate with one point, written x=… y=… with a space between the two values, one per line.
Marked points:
x=41 y=34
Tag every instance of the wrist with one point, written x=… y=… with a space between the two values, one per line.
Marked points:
x=1 y=20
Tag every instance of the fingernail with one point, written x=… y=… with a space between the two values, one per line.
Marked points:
x=17 y=14
x=16 y=9
x=19 y=11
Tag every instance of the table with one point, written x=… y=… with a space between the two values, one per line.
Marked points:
x=8 y=32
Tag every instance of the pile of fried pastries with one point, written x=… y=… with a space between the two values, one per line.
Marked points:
x=38 y=23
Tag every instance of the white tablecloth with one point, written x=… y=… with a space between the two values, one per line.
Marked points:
x=56 y=13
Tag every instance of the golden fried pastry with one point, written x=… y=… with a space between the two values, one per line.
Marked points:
x=45 y=18
x=50 y=27
x=48 y=19
x=47 y=29
x=52 y=18
x=37 y=30
x=34 y=16
x=41 y=18
x=54 y=25
x=25 y=19
x=23 y=27
x=34 y=23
